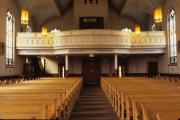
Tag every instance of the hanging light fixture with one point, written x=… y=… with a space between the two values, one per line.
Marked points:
x=137 y=29
x=25 y=16
x=44 y=29
x=158 y=15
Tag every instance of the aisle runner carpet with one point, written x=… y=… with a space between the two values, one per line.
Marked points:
x=92 y=104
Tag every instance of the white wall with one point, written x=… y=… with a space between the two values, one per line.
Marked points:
x=51 y=66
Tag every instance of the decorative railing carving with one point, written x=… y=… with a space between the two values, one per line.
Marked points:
x=91 y=39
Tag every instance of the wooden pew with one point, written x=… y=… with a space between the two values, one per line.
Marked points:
x=39 y=99
x=120 y=93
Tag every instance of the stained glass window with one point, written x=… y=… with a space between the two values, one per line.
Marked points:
x=9 y=38
x=172 y=37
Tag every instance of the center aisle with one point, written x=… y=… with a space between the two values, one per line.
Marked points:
x=92 y=104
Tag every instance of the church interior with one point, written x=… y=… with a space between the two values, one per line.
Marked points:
x=90 y=59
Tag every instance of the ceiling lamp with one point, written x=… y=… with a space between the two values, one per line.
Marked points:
x=158 y=15
x=25 y=16
x=44 y=31
x=137 y=29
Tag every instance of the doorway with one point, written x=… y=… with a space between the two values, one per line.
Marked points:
x=91 y=71
x=152 y=68
x=61 y=70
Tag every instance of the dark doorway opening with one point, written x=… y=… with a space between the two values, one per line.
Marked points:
x=91 y=71
x=61 y=69
x=91 y=23
x=152 y=68
x=123 y=61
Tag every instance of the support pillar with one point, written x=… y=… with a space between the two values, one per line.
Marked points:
x=116 y=64
x=66 y=65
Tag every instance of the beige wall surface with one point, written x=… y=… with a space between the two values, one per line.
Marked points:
x=139 y=63
x=71 y=20
x=164 y=59
x=4 y=7
x=62 y=23
x=89 y=10
x=119 y=22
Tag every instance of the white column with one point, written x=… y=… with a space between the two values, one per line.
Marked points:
x=120 y=71
x=66 y=65
x=115 y=61
x=66 y=62
x=116 y=64
x=63 y=74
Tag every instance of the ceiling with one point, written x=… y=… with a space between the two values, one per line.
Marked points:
x=139 y=10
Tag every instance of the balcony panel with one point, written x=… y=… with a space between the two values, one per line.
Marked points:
x=92 y=39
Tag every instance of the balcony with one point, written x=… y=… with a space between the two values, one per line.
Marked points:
x=91 y=41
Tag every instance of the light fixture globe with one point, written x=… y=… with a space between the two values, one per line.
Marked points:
x=158 y=15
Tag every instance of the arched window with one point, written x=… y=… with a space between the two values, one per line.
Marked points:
x=172 y=37
x=10 y=32
x=55 y=30
x=126 y=30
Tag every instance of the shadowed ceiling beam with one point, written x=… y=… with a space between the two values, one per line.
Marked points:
x=59 y=6
x=122 y=6
x=112 y=6
x=63 y=9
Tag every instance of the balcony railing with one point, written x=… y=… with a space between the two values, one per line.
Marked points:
x=91 y=39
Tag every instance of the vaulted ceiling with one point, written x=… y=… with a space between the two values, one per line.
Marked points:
x=140 y=10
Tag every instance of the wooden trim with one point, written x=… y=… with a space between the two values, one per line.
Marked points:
x=10 y=77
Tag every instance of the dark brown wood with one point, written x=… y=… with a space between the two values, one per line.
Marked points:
x=66 y=73
x=152 y=68
x=91 y=23
x=117 y=73
x=91 y=71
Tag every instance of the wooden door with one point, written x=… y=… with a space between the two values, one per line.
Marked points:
x=152 y=68
x=91 y=71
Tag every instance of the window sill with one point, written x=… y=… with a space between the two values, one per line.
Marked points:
x=173 y=64
x=9 y=66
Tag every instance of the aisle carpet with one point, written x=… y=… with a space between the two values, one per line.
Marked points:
x=92 y=104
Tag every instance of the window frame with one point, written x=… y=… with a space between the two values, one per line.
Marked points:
x=9 y=59
x=172 y=36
